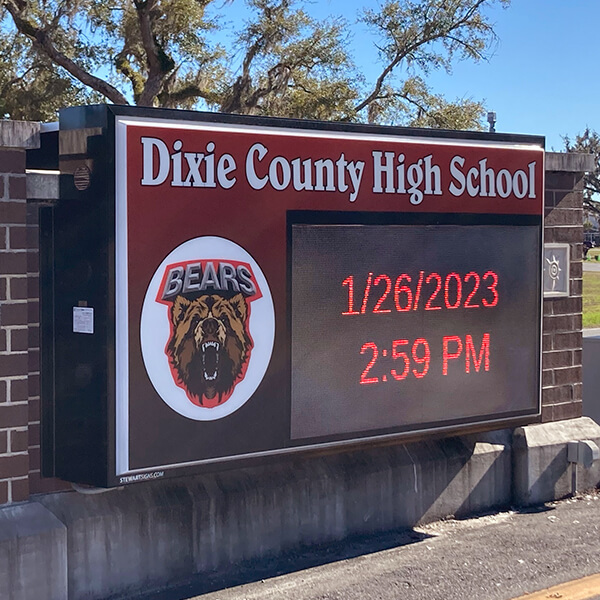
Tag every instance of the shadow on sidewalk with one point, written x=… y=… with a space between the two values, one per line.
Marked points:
x=299 y=559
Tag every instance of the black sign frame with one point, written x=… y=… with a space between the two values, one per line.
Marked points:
x=79 y=396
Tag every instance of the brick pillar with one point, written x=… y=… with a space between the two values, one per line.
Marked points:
x=562 y=337
x=15 y=139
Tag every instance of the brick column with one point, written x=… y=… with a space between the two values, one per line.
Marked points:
x=562 y=337
x=15 y=139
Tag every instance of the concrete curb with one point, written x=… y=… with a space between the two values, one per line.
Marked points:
x=541 y=470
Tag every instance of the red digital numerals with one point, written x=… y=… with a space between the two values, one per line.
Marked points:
x=404 y=358
x=431 y=291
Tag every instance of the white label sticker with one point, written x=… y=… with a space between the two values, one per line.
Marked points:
x=83 y=320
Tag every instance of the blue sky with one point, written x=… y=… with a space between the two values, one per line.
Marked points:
x=542 y=76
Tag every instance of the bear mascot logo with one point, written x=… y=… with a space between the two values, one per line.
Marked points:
x=207 y=328
x=210 y=344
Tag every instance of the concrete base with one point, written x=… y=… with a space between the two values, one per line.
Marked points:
x=33 y=554
x=125 y=540
x=541 y=470
x=148 y=536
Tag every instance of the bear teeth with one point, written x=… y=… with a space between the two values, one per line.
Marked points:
x=206 y=345
x=213 y=358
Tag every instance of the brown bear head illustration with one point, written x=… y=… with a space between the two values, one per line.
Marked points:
x=209 y=346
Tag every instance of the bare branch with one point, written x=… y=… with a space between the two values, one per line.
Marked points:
x=378 y=84
x=427 y=30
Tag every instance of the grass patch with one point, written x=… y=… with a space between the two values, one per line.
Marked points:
x=591 y=299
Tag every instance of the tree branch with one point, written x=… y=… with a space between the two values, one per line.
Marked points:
x=43 y=42
x=156 y=70
x=427 y=33
x=591 y=206
x=123 y=65
x=184 y=93
x=467 y=46
x=378 y=84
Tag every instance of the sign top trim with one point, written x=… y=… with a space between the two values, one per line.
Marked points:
x=101 y=115
x=282 y=129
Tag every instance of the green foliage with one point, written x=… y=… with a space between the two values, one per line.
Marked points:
x=292 y=66
x=588 y=143
x=31 y=86
x=414 y=104
x=282 y=62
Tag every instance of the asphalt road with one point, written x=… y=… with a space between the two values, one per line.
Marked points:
x=493 y=557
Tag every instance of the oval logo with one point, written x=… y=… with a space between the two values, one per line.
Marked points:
x=207 y=328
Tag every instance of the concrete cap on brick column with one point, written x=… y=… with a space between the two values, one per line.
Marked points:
x=569 y=162
x=19 y=134
x=42 y=185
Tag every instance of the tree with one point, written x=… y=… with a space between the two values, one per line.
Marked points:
x=283 y=62
x=588 y=143
x=32 y=87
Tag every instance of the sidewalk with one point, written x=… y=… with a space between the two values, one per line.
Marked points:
x=494 y=557
x=591 y=266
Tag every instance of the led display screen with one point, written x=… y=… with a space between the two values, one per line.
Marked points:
x=399 y=327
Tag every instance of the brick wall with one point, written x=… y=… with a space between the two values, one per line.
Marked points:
x=562 y=337
x=14 y=319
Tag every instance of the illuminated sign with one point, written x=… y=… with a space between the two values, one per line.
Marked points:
x=264 y=287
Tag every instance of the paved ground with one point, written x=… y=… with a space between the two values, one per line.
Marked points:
x=591 y=266
x=494 y=557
